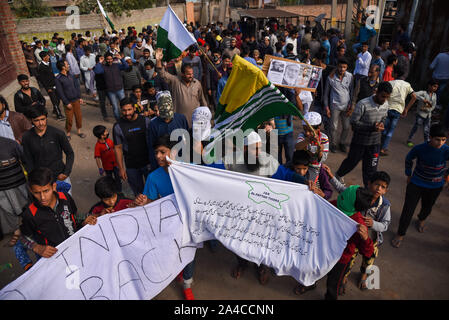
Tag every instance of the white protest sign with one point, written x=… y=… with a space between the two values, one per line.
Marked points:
x=131 y=254
x=276 y=223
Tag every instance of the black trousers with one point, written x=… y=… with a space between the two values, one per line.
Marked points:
x=334 y=279
x=412 y=196
x=102 y=100
x=53 y=97
x=368 y=154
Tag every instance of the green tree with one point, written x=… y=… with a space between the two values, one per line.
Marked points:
x=117 y=7
x=31 y=9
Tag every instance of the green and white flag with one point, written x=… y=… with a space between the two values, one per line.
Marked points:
x=105 y=15
x=172 y=36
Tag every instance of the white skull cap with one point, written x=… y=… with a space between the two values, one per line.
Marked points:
x=201 y=113
x=313 y=118
x=252 y=138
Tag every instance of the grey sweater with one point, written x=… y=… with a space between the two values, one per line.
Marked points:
x=131 y=77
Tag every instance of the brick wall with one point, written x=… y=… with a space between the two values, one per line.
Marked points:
x=9 y=32
x=43 y=28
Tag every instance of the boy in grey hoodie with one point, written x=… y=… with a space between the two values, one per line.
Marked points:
x=377 y=219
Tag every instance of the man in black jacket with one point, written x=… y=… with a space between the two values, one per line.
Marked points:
x=47 y=79
x=51 y=217
x=43 y=146
x=27 y=97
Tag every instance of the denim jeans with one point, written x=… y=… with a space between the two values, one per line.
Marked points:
x=425 y=123
x=287 y=143
x=115 y=97
x=390 y=124
x=136 y=178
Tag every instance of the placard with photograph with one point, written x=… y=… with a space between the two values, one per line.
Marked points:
x=291 y=74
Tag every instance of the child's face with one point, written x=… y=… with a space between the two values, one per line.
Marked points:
x=308 y=133
x=105 y=134
x=151 y=91
x=434 y=88
x=378 y=188
x=138 y=93
x=110 y=202
x=437 y=142
x=301 y=169
x=161 y=153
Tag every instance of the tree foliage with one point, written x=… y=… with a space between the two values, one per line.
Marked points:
x=31 y=9
x=117 y=7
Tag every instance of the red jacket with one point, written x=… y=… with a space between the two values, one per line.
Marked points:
x=365 y=247
x=120 y=204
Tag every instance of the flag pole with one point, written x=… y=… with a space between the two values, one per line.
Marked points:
x=207 y=57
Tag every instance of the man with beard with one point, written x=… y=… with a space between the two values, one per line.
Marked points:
x=195 y=61
x=146 y=56
x=114 y=81
x=232 y=50
x=12 y=124
x=131 y=141
x=187 y=91
x=27 y=97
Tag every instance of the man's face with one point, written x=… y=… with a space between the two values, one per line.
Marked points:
x=364 y=48
x=146 y=55
x=110 y=202
x=67 y=66
x=44 y=194
x=109 y=60
x=161 y=153
x=342 y=52
x=437 y=142
x=233 y=43
x=341 y=68
x=188 y=75
x=46 y=58
x=382 y=97
x=40 y=122
x=386 y=45
x=39 y=45
x=227 y=62
x=139 y=44
x=434 y=88
x=138 y=93
x=373 y=72
x=101 y=59
x=291 y=72
x=151 y=91
x=378 y=188
x=128 y=111
x=25 y=84
x=267 y=42
x=129 y=62
x=301 y=169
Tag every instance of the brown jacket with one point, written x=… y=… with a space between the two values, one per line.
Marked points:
x=19 y=124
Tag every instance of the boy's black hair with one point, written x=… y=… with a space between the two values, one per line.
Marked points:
x=98 y=131
x=43 y=54
x=38 y=111
x=225 y=56
x=136 y=86
x=380 y=176
x=363 y=199
x=432 y=82
x=149 y=63
x=164 y=140
x=391 y=58
x=22 y=77
x=4 y=102
x=398 y=71
x=147 y=85
x=385 y=86
x=343 y=61
x=301 y=157
x=41 y=177
x=437 y=130
x=105 y=187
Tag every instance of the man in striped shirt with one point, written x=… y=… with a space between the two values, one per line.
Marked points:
x=367 y=122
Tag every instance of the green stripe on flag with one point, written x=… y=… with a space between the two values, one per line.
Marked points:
x=110 y=22
x=170 y=50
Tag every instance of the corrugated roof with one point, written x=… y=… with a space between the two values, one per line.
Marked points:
x=266 y=13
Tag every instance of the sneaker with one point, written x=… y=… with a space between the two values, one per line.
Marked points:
x=342 y=148
x=410 y=144
x=188 y=294
x=333 y=148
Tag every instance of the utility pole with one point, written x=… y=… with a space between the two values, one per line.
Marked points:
x=348 y=22
x=334 y=14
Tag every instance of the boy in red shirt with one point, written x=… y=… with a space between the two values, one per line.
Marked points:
x=105 y=155
x=110 y=199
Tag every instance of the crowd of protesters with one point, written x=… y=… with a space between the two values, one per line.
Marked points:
x=365 y=92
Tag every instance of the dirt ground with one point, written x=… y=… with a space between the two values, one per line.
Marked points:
x=417 y=270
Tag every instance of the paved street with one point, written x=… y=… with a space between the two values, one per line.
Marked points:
x=417 y=270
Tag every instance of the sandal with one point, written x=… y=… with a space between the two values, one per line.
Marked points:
x=301 y=289
x=263 y=275
x=420 y=227
x=237 y=271
x=15 y=237
x=362 y=285
x=82 y=135
x=396 y=242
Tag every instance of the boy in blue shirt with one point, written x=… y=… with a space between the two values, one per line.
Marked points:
x=426 y=182
x=158 y=185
